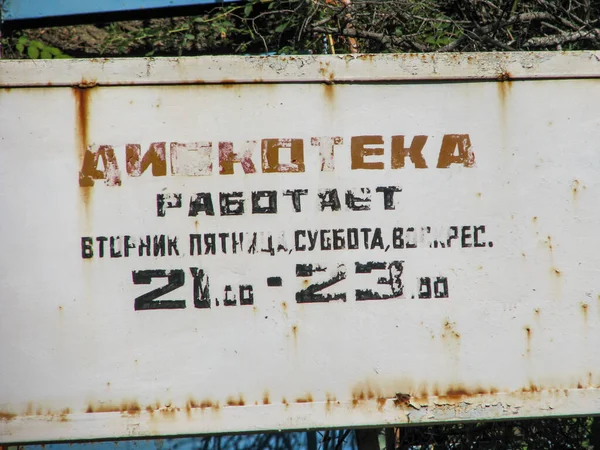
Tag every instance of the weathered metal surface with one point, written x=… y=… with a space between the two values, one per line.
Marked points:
x=35 y=9
x=303 y=68
x=422 y=251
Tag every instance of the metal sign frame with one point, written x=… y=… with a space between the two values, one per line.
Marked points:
x=367 y=402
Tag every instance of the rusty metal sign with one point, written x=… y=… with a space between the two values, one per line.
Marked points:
x=226 y=244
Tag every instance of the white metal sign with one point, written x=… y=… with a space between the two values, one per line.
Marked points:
x=240 y=244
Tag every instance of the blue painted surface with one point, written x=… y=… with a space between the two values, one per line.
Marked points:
x=39 y=9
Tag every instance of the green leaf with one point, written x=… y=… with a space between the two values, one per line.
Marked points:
x=62 y=56
x=54 y=51
x=45 y=54
x=248 y=9
x=36 y=44
x=189 y=36
x=20 y=47
x=287 y=50
x=281 y=28
x=33 y=52
x=23 y=40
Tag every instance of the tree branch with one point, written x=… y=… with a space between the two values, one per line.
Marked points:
x=481 y=32
x=383 y=39
x=555 y=39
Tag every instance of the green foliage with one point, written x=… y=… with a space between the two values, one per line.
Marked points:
x=440 y=32
x=540 y=434
x=331 y=26
x=35 y=49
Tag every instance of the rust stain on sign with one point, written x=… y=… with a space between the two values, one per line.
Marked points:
x=504 y=76
x=450 y=330
x=82 y=108
x=168 y=413
x=190 y=405
x=306 y=399
x=209 y=404
x=7 y=415
x=231 y=401
x=329 y=92
x=86 y=84
x=103 y=407
x=410 y=392
x=126 y=407
x=584 y=310
x=368 y=397
x=576 y=188
x=504 y=85
x=266 y=400
x=402 y=400
x=228 y=83
x=549 y=243
x=330 y=400
x=82 y=112
x=64 y=415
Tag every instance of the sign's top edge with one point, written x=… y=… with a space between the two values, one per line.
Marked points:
x=400 y=67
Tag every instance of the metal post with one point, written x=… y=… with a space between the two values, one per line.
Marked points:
x=391 y=442
x=367 y=439
x=311 y=440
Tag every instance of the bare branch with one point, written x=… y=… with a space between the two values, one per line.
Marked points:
x=555 y=39
x=383 y=39
x=553 y=27
x=481 y=32
x=350 y=32
x=454 y=44
x=497 y=44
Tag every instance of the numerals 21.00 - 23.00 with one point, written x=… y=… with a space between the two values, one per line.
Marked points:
x=317 y=279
